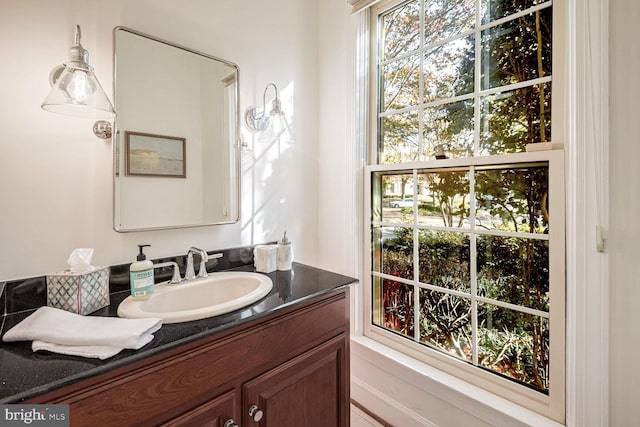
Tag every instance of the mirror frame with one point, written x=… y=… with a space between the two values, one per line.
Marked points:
x=235 y=148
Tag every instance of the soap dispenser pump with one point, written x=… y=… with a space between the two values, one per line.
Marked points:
x=285 y=253
x=141 y=276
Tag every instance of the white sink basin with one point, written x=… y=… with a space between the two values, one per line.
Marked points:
x=200 y=298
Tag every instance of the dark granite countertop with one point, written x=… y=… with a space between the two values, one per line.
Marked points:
x=25 y=374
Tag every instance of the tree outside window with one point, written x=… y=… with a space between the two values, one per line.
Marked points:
x=464 y=268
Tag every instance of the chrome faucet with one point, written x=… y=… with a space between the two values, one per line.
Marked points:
x=190 y=273
x=176 y=271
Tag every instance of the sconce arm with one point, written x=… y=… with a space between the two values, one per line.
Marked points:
x=257 y=119
x=264 y=96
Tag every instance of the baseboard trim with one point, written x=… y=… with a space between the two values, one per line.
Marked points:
x=400 y=415
x=370 y=414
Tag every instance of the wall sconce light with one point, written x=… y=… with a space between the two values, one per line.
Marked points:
x=75 y=89
x=272 y=127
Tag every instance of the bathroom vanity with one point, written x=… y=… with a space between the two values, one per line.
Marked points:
x=283 y=361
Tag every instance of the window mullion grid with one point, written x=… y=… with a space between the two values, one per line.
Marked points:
x=379 y=96
x=416 y=261
x=472 y=201
x=481 y=93
x=516 y=86
x=473 y=267
x=429 y=104
x=511 y=17
x=428 y=47
x=421 y=154
x=476 y=81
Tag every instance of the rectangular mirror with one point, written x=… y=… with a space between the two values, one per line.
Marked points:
x=176 y=151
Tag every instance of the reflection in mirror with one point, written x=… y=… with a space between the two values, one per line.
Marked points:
x=176 y=156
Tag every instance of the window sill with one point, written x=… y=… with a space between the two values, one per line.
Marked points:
x=474 y=401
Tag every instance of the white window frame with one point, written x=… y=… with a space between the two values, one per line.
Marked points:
x=553 y=404
x=557 y=112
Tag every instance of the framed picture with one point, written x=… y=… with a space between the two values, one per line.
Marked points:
x=155 y=155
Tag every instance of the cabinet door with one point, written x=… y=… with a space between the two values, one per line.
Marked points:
x=218 y=412
x=309 y=390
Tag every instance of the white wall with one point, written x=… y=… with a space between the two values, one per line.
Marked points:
x=624 y=399
x=337 y=180
x=56 y=177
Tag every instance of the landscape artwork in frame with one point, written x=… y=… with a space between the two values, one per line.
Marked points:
x=155 y=155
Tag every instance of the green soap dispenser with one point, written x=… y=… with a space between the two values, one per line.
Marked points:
x=141 y=276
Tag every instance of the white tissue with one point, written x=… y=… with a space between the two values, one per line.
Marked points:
x=265 y=258
x=80 y=260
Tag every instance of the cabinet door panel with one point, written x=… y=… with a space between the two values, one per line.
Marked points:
x=306 y=391
x=214 y=413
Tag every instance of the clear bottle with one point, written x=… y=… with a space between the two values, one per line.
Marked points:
x=141 y=276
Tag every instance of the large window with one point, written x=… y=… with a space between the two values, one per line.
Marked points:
x=466 y=209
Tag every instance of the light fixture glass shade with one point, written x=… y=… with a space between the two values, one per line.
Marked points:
x=278 y=130
x=77 y=92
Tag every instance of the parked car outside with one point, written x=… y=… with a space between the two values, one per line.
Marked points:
x=404 y=203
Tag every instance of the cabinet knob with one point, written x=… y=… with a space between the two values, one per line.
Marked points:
x=255 y=413
x=230 y=423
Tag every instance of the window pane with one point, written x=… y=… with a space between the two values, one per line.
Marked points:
x=493 y=10
x=399 y=138
x=444 y=19
x=514 y=270
x=444 y=259
x=394 y=307
x=448 y=130
x=511 y=120
x=445 y=323
x=517 y=51
x=393 y=251
x=401 y=30
x=401 y=83
x=514 y=344
x=444 y=199
x=449 y=69
x=513 y=199
x=396 y=197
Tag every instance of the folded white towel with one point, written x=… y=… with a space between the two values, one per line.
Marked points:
x=90 y=351
x=63 y=332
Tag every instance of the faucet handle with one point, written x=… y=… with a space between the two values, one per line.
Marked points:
x=204 y=257
x=176 y=271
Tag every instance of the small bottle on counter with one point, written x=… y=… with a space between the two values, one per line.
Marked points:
x=141 y=276
x=285 y=253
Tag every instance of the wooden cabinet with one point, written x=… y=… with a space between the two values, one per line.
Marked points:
x=219 y=412
x=290 y=368
x=305 y=391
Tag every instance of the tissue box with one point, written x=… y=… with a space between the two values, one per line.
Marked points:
x=80 y=293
